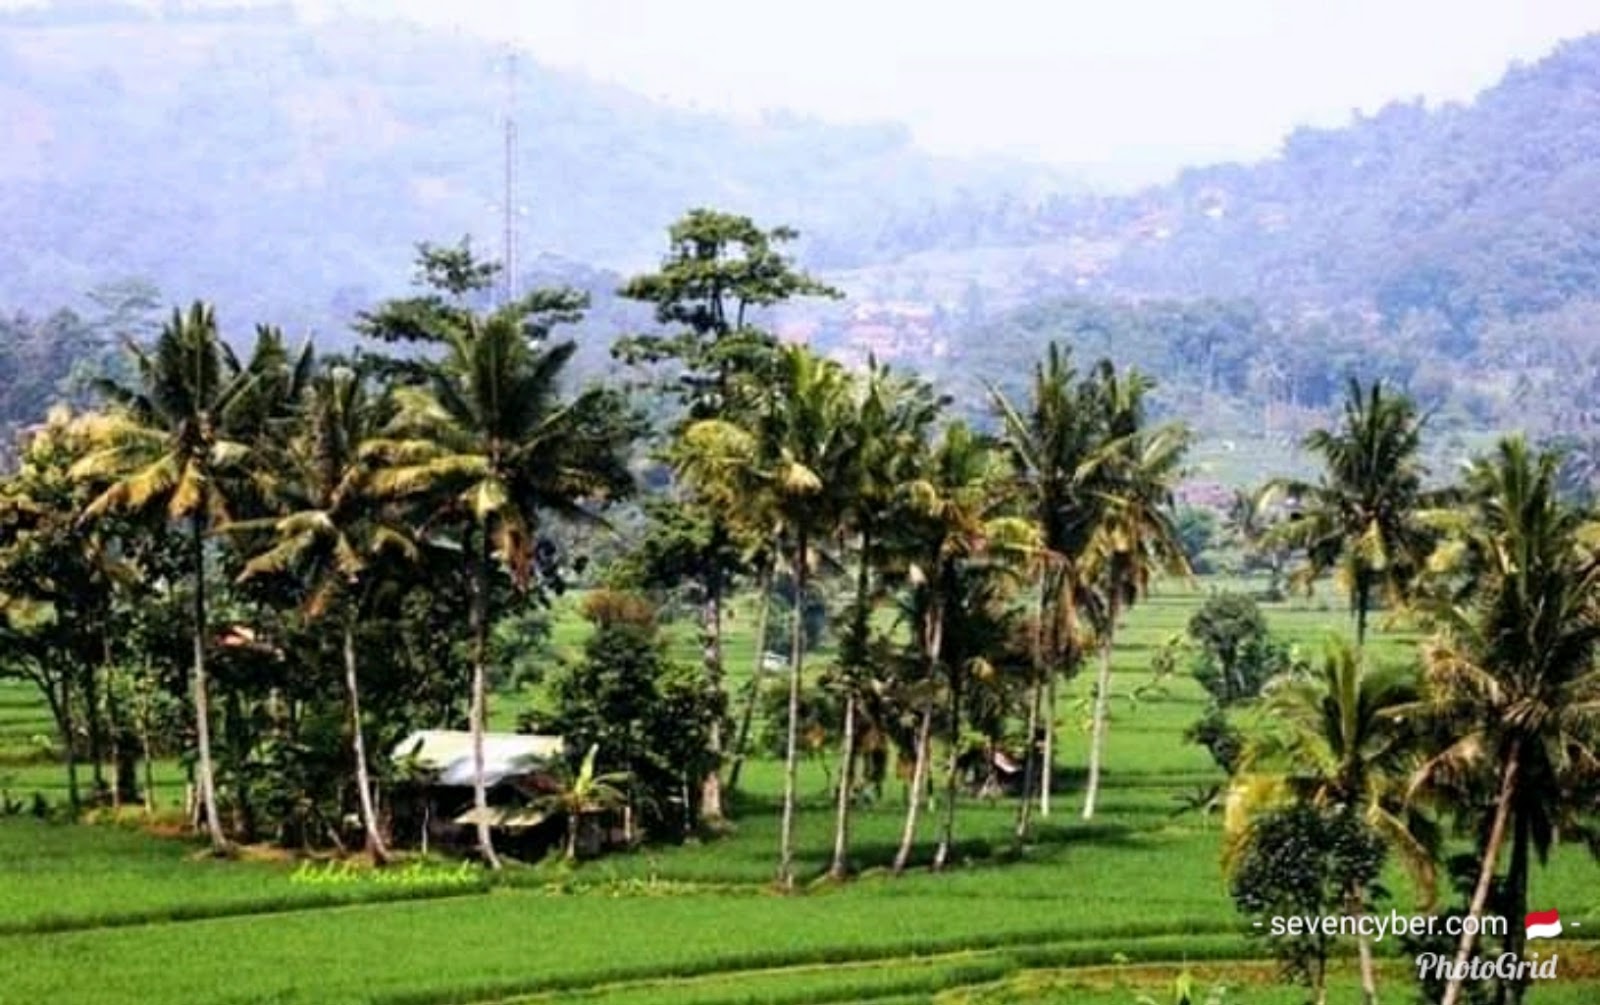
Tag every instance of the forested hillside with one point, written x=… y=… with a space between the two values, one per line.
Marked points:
x=1454 y=250
x=1468 y=213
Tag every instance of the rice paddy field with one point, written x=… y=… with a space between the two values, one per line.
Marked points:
x=1097 y=913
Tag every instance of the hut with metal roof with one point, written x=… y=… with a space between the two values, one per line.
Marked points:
x=434 y=795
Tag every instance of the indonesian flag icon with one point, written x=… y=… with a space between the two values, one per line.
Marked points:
x=1544 y=924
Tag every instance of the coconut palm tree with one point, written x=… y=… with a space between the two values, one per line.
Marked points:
x=332 y=536
x=1055 y=446
x=1134 y=536
x=803 y=438
x=952 y=520
x=1338 y=739
x=888 y=427
x=174 y=445
x=784 y=465
x=1362 y=516
x=1512 y=694
x=1249 y=521
x=489 y=445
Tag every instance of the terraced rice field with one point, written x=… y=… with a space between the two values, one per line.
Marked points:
x=1101 y=912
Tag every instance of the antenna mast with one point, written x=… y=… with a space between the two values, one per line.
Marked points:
x=509 y=247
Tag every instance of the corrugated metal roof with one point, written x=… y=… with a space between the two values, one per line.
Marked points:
x=448 y=753
x=508 y=817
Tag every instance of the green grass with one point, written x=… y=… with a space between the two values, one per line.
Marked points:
x=1097 y=912
x=56 y=877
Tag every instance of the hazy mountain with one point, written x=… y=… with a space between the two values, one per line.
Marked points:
x=286 y=169
x=1470 y=213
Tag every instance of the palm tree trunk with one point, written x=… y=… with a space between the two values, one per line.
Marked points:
x=933 y=642
x=840 y=868
x=91 y=708
x=919 y=781
x=1354 y=906
x=1362 y=598
x=62 y=706
x=119 y=768
x=1517 y=893
x=369 y=817
x=791 y=761
x=1102 y=709
x=478 y=713
x=1029 y=768
x=711 y=810
x=1047 y=762
x=202 y=699
x=1491 y=855
x=1047 y=765
x=747 y=717
x=142 y=713
x=237 y=741
x=1041 y=663
x=149 y=769
x=947 y=830
x=123 y=765
x=855 y=661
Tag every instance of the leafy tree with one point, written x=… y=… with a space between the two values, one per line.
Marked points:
x=1258 y=660
x=647 y=718
x=57 y=589
x=1298 y=862
x=1236 y=655
x=720 y=270
x=1196 y=527
x=1222 y=739
x=46 y=361
x=1224 y=624
x=686 y=542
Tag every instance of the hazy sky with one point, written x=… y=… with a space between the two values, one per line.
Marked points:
x=1119 y=89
